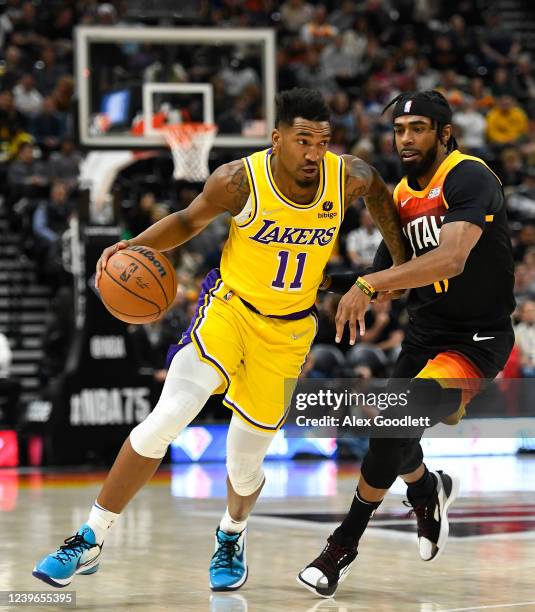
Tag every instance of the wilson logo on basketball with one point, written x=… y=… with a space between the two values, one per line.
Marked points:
x=148 y=254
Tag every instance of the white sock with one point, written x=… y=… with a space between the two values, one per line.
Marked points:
x=100 y=520
x=229 y=525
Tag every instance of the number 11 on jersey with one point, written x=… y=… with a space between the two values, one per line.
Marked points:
x=284 y=256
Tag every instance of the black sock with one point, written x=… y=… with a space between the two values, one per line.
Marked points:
x=420 y=491
x=356 y=521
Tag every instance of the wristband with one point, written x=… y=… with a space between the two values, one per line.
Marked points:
x=365 y=287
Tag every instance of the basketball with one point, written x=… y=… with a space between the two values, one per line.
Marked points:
x=138 y=284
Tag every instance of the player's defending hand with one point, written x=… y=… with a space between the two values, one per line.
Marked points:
x=351 y=308
x=106 y=254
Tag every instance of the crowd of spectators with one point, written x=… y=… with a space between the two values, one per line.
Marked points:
x=359 y=54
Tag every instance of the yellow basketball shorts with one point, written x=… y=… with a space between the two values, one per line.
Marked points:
x=253 y=353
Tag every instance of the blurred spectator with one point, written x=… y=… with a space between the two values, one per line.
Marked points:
x=362 y=243
x=106 y=14
x=151 y=341
x=12 y=127
x=57 y=336
x=47 y=126
x=444 y=55
x=481 y=94
x=47 y=72
x=237 y=76
x=464 y=39
x=62 y=26
x=450 y=86
x=386 y=160
x=525 y=338
x=521 y=199
x=12 y=70
x=317 y=31
x=524 y=83
x=6 y=27
x=63 y=93
x=522 y=283
x=529 y=261
x=383 y=330
x=27 y=176
x=343 y=17
x=472 y=128
x=64 y=164
x=355 y=40
x=511 y=171
x=324 y=361
x=501 y=83
x=50 y=221
x=295 y=13
x=28 y=31
x=499 y=46
x=28 y=100
x=139 y=218
x=426 y=77
x=507 y=123
x=233 y=120
x=285 y=71
x=342 y=116
x=524 y=241
x=312 y=74
x=338 y=61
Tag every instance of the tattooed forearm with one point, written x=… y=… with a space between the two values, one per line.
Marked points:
x=383 y=210
x=364 y=181
x=358 y=180
x=237 y=186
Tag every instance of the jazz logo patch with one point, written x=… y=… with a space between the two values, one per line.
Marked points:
x=434 y=193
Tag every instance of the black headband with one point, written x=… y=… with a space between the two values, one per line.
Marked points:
x=422 y=105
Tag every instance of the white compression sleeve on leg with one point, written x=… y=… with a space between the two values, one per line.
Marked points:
x=189 y=383
x=246 y=449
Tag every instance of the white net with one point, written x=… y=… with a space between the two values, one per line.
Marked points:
x=190 y=145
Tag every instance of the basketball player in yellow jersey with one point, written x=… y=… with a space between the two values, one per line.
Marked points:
x=254 y=323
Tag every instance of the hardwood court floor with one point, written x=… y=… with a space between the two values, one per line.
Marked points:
x=156 y=556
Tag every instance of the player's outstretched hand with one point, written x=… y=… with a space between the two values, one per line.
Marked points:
x=351 y=308
x=106 y=254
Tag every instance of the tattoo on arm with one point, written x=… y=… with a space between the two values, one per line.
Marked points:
x=358 y=180
x=364 y=181
x=237 y=187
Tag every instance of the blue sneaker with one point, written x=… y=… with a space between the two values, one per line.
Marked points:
x=79 y=555
x=228 y=568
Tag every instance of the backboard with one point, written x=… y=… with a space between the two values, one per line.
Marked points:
x=133 y=81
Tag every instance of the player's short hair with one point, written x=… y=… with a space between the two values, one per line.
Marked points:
x=300 y=102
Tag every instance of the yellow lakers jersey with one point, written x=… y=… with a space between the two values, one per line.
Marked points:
x=277 y=249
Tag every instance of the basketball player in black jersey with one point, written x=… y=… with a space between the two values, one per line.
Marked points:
x=461 y=278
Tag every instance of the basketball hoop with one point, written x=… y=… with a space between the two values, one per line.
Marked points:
x=190 y=145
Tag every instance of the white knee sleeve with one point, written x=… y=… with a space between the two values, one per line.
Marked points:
x=188 y=385
x=170 y=415
x=246 y=449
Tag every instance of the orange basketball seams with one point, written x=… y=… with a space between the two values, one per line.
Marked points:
x=138 y=285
